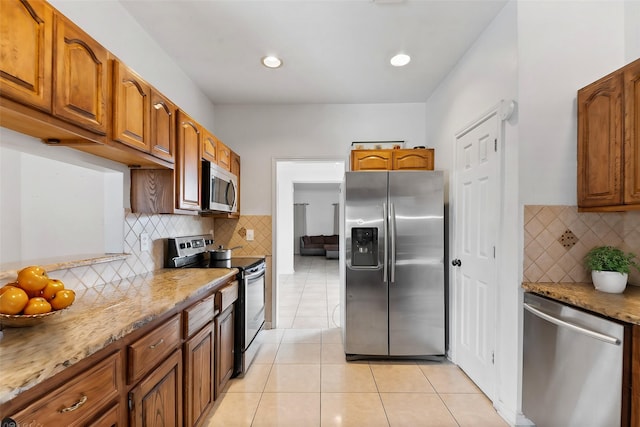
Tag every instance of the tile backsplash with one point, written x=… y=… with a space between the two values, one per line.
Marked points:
x=556 y=239
x=232 y=232
x=159 y=227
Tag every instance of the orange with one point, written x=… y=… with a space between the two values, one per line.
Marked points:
x=6 y=286
x=63 y=299
x=52 y=287
x=13 y=300
x=37 y=305
x=32 y=279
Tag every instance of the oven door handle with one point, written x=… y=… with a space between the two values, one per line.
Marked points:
x=255 y=275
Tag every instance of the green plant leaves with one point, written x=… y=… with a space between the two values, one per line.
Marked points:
x=609 y=258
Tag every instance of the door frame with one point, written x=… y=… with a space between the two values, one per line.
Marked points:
x=502 y=110
x=340 y=163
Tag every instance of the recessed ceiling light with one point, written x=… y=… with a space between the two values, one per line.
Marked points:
x=400 y=60
x=271 y=62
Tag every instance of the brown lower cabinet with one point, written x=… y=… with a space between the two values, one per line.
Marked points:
x=157 y=399
x=163 y=374
x=224 y=348
x=199 y=375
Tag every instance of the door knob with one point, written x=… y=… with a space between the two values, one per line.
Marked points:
x=456 y=262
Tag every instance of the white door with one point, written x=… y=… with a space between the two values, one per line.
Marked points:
x=476 y=213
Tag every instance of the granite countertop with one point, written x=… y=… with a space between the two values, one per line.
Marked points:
x=624 y=306
x=98 y=317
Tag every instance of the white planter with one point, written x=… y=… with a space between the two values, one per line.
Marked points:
x=609 y=281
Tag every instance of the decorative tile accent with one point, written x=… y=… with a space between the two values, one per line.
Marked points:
x=556 y=239
x=568 y=239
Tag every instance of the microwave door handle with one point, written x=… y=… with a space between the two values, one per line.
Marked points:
x=230 y=194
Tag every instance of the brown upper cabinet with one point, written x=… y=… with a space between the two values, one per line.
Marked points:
x=224 y=155
x=609 y=142
x=131 y=105
x=402 y=159
x=143 y=118
x=26 y=31
x=54 y=77
x=209 y=147
x=80 y=77
x=163 y=126
x=188 y=180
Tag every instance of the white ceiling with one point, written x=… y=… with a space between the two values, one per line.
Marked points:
x=334 y=51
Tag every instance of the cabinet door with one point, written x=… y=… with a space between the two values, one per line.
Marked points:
x=209 y=147
x=632 y=133
x=224 y=348
x=131 y=104
x=363 y=160
x=163 y=127
x=417 y=159
x=188 y=163
x=157 y=399
x=600 y=142
x=26 y=31
x=224 y=156
x=80 y=77
x=199 y=376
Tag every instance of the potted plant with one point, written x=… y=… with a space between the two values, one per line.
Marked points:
x=610 y=268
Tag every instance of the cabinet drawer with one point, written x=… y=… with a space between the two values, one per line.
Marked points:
x=226 y=296
x=198 y=315
x=74 y=403
x=145 y=353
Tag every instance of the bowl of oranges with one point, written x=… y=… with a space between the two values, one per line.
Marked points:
x=32 y=298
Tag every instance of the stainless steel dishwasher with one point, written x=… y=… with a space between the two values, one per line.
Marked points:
x=572 y=366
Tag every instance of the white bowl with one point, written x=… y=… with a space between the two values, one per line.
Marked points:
x=609 y=281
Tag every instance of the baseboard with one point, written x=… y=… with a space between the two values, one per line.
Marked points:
x=514 y=419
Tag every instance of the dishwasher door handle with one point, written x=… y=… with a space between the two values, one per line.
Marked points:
x=593 y=334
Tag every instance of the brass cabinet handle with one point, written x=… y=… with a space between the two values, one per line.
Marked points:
x=75 y=406
x=156 y=344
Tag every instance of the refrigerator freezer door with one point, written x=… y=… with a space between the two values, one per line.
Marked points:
x=416 y=295
x=366 y=304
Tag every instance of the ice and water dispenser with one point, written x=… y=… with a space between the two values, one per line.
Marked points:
x=364 y=247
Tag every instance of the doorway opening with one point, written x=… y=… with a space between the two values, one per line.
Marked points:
x=300 y=282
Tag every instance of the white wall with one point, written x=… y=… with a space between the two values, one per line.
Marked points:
x=563 y=46
x=55 y=201
x=260 y=133
x=487 y=74
x=632 y=30
x=539 y=53
x=320 y=209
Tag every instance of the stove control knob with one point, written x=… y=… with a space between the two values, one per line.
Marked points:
x=182 y=246
x=188 y=244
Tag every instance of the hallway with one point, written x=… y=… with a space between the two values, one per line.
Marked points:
x=300 y=377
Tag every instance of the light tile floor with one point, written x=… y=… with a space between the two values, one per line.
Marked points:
x=300 y=377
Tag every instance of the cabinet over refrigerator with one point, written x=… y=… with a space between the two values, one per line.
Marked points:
x=394 y=260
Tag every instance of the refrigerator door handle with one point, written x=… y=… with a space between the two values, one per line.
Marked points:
x=386 y=239
x=392 y=223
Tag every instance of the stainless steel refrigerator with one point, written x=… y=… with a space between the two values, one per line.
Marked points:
x=394 y=299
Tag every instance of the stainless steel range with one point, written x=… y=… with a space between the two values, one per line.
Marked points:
x=194 y=252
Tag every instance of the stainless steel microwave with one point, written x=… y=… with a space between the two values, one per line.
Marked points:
x=219 y=189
